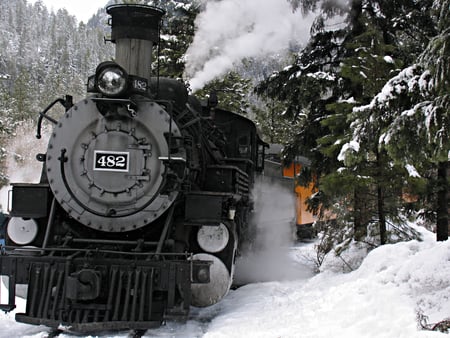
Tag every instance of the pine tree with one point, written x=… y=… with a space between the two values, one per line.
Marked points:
x=177 y=34
x=232 y=92
x=436 y=59
x=419 y=102
x=374 y=54
x=365 y=70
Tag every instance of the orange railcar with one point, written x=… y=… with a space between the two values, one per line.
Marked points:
x=304 y=218
x=286 y=175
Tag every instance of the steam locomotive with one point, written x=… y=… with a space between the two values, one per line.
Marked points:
x=144 y=198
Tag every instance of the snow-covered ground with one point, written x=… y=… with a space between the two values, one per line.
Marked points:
x=382 y=298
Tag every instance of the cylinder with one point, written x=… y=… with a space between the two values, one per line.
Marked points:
x=135 y=29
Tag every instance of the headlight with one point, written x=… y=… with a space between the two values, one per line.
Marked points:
x=112 y=81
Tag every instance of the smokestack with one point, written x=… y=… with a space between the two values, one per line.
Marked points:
x=135 y=29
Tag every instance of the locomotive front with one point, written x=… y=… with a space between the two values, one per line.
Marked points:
x=107 y=158
x=88 y=239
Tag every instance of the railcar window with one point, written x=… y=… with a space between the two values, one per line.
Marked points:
x=244 y=146
x=260 y=158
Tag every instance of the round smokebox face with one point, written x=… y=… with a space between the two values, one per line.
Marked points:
x=112 y=176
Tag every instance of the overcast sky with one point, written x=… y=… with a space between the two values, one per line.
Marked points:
x=82 y=9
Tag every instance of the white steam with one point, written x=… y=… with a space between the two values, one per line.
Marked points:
x=268 y=259
x=229 y=31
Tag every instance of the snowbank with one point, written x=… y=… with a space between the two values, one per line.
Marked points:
x=380 y=299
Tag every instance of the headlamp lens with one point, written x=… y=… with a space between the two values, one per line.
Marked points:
x=112 y=81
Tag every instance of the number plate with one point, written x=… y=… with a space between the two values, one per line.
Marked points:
x=111 y=160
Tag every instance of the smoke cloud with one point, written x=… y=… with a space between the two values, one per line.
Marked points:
x=231 y=30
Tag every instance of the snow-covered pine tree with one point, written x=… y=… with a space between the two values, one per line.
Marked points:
x=232 y=92
x=376 y=184
x=176 y=35
x=418 y=101
x=376 y=48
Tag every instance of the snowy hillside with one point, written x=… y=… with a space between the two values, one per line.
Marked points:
x=382 y=298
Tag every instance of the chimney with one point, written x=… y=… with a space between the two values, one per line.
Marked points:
x=135 y=29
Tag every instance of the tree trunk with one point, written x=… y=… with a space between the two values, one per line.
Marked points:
x=442 y=203
x=381 y=214
x=359 y=215
x=380 y=199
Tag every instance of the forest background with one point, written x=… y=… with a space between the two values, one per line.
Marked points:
x=366 y=99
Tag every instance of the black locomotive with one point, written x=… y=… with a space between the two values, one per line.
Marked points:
x=144 y=198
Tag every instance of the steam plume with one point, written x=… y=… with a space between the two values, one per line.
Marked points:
x=231 y=30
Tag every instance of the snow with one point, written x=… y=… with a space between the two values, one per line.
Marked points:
x=412 y=171
x=396 y=85
x=321 y=76
x=352 y=145
x=381 y=298
x=388 y=59
x=350 y=100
